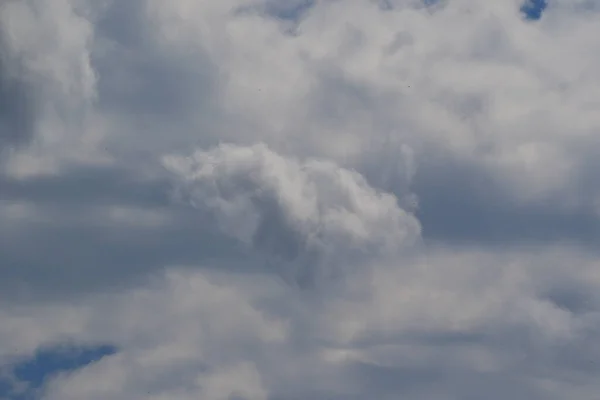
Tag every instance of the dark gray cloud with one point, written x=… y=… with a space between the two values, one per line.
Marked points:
x=17 y=101
x=462 y=203
x=74 y=258
x=81 y=243
x=87 y=186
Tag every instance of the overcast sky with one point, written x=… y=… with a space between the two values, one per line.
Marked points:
x=299 y=199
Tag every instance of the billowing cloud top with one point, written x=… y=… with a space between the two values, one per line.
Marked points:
x=315 y=213
x=290 y=199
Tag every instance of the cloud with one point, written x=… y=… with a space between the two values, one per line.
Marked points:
x=458 y=322
x=47 y=72
x=313 y=213
x=175 y=360
x=261 y=199
x=16 y=109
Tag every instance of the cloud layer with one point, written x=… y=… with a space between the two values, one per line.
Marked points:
x=280 y=200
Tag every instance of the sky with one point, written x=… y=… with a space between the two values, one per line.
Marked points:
x=299 y=199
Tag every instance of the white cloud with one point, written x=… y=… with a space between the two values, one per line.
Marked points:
x=302 y=143
x=207 y=328
x=452 y=319
x=313 y=215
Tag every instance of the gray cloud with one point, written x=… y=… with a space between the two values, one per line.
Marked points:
x=17 y=102
x=461 y=203
x=16 y=110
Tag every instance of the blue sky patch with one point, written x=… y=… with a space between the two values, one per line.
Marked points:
x=533 y=9
x=23 y=378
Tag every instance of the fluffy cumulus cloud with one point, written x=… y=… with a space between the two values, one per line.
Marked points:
x=293 y=199
x=314 y=217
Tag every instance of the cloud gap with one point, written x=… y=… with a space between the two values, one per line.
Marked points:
x=26 y=377
x=533 y=10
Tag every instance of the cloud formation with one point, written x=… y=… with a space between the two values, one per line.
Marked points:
x=277 y=200
x=313 y=216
